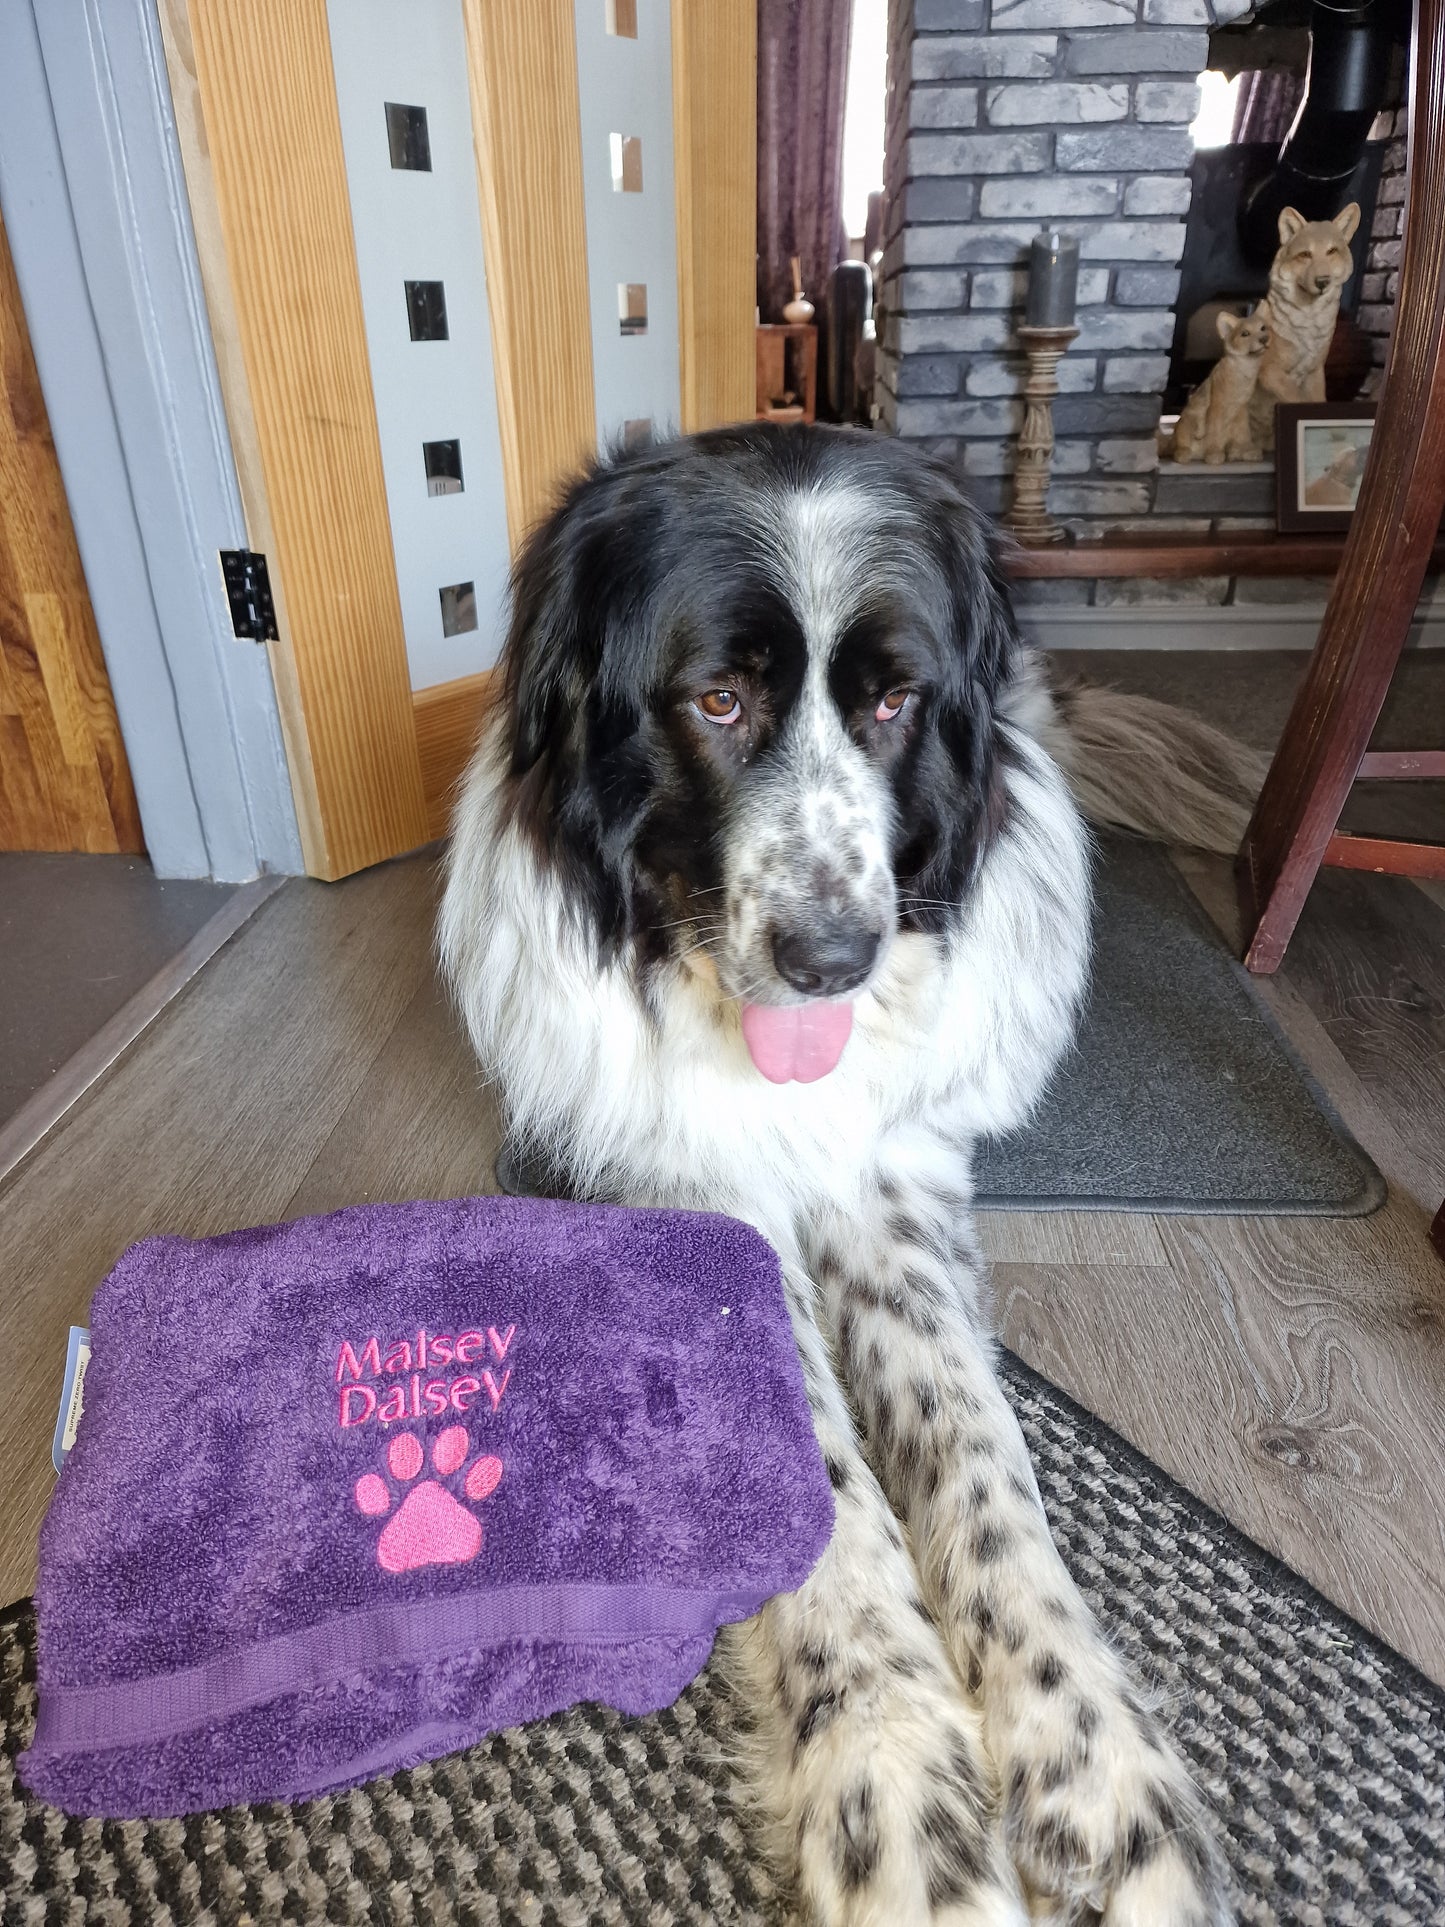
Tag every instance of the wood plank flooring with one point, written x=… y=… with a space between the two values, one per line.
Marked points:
x=1291 y=1371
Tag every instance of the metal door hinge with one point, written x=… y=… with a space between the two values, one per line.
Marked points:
x=248 y=590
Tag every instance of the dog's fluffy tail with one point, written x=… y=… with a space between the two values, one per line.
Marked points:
x=1136 y=764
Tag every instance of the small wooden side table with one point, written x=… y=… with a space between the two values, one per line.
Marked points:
x=787 y=364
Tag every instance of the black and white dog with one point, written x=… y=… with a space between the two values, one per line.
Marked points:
x=768 y=895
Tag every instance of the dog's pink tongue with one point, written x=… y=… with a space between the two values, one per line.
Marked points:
x=796 y=1042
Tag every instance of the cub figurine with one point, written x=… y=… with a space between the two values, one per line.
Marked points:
x=1216 y=420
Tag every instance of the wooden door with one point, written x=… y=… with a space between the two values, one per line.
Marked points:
x=64 y=780
x=373 y=762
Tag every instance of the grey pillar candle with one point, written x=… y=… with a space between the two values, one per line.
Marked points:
x=1053 y=280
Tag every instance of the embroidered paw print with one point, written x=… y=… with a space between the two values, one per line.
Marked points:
x=429 y=1528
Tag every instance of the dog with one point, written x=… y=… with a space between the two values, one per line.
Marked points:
x=768 y=895
x=1216 y=419
x=1305 y=278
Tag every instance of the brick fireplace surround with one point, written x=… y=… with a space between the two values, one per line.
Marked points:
x=1004 y=115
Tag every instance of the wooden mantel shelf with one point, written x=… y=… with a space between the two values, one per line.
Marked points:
x=1250 y=552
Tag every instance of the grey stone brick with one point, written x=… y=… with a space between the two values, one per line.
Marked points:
x=947 y=200
x=960 y=417
x=1135 y=592
x=1104 y=414
x=925 y=334
x=1062 y=13
x=946 y=247
x=1076 y=376
x=1392 y=191
x=927 y=375
x=922 y=289
x=1099 y=498
x=1392 y=285
x=1375 y=320
x=1227 y=10
x=1388 y=253
x=948 y=16
x=1070 y=458
x=1111 y=150
x=1177 y=13
x=1172 y=100
x=1166 y=525
x=1049 y=194
x=1372 y=287
x=1064 y=594
x=1022 y=56
x=1386 y=224
x=1271 y=591
x=1158 y=194
x=1118 y=456
x=1124 y=328
x=1054 y=103
x=1136 y=374
x=1166 y=51
x=1132 y=240
x=998 y=287
x=943 y=107
x=979 y=153
x=1145 y=287
x=991 y=495
x=1188 y=488
x=1232 y=524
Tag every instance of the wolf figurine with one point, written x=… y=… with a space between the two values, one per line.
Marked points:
x=1312 y=265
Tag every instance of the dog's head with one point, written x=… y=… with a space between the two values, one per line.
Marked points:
x=750 y=687
x=1314 y=257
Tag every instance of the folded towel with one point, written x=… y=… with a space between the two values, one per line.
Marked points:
x=353 y=1492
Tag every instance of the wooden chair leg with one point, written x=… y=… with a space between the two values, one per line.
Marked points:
x=1377 y=585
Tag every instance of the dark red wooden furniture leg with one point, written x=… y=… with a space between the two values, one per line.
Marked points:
x=1377 y=586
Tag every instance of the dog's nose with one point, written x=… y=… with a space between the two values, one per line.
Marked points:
x=827 y=961
x=1322 y=281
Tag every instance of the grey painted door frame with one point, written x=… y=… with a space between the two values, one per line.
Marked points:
x=99 y=225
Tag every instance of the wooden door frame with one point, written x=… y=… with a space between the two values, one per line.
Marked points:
x=373 y=763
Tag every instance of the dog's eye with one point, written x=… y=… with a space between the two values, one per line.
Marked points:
x=720 y=706
x=890 y=704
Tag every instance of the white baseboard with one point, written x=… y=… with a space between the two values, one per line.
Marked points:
x=1171 y=626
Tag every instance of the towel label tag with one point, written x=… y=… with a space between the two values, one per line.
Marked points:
x=72 y=1397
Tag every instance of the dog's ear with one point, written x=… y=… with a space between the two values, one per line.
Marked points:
x=546 y=660
x=1348 y=219
x=1227 y=325
x=1290 y=223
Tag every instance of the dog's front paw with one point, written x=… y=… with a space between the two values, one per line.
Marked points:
x=895 y=1821
x=1102 y=1820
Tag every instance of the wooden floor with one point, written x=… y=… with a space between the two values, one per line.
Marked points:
x=1291 y=1371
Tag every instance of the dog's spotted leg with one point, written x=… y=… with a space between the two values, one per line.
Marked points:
x=1099 y=1811
x=869 y=1754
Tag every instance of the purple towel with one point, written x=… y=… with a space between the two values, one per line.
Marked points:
x=353 y=1492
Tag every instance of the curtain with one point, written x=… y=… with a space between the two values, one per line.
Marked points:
x=1266 y=104
x=802 y=79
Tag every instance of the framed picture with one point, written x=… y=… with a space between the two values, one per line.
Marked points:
x=1319 y=459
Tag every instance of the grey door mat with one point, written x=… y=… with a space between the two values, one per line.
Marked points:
x=1181 y=1094
x=1322 y=1753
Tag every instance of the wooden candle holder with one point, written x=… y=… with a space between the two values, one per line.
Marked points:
x=1029 y=521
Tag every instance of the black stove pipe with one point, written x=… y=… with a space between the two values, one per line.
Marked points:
x=1345 y=87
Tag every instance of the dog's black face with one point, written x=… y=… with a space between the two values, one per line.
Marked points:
x=751 y=680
